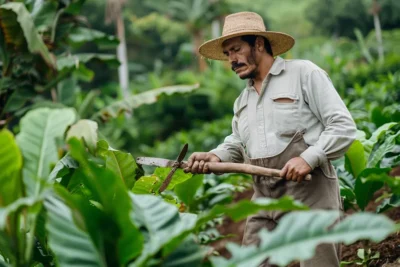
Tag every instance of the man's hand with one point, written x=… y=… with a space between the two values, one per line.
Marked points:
x=296 y=169
x=196 y=162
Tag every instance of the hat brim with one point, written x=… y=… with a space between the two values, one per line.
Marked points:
x=280 y=43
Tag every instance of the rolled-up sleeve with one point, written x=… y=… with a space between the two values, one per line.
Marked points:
x=339 y=128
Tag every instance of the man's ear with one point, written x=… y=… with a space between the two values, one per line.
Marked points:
x=260 y=44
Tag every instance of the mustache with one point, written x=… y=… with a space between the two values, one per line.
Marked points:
x=237 y=65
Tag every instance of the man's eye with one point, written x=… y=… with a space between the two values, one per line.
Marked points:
x=237 y=49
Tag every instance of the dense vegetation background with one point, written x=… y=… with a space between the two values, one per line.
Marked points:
x=85 y=70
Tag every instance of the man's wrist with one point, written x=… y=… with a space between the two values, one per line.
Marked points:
x=314 y=156
x=223 y=155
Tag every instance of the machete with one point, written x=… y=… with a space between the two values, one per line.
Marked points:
x=216 y=167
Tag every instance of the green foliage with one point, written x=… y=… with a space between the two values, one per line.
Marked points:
x=85 y=130
x=40 y=131
x=71 y=246
x=282 y=246
x=363 y=162
x=80 y=209
x=33 y=38
x=135 y=101
x=18 y=28
x=11 y=165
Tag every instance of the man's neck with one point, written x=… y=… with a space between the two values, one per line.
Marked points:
x=264 y=68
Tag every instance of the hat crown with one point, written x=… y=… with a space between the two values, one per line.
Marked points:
x=243 y=21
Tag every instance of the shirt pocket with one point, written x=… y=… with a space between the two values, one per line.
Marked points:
x=285 y=113
x=241 y=118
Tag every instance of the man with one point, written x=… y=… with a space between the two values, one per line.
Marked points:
x=289 y=116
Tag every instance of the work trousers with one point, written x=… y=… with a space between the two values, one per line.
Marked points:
x=322 y=192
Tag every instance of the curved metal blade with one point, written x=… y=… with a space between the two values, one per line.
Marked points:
x=167 y=180
x=183 y=152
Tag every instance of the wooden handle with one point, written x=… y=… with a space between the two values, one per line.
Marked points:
x=229 y=167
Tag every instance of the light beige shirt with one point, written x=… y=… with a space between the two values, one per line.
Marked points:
x=264 y=127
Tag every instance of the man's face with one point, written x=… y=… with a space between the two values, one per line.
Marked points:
x=242 y=57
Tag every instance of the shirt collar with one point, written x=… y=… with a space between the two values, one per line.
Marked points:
x=277 y=67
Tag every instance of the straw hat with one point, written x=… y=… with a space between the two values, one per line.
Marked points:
x=245 y=23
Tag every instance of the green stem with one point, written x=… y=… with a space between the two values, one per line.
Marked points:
x=30 y=239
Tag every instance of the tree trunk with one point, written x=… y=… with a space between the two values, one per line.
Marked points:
x=197 y=40
x=123 y=58
x=378 y=32
x=122 y=55
x=215 y=28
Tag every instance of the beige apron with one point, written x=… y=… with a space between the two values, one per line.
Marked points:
x=320 y=193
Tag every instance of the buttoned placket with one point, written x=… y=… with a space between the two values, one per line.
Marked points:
x=260 y=115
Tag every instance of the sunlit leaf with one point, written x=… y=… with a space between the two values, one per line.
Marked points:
x=355 y=158
x=85 y=130
x=147 y=185
x=179 y=176
x=10 y=166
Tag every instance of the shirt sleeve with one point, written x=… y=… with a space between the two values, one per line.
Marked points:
x=339 y=128
x=232 y=148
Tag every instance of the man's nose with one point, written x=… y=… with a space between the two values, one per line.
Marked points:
x=232 y=58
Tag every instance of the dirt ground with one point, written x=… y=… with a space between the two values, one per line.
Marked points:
x=389 y=248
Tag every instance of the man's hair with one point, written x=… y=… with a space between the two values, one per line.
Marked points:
x=251 y=40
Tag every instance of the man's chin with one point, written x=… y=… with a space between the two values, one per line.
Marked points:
x=244 y=76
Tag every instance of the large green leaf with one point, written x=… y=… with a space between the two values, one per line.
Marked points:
x=135 y=101
x=123 y=165
x=388 y=145
x=369 y=144
x=71 y=245
x=392 y=202
x=85 y=130
x=244 y=208
x=112 y=197
x=188 y=254
x=10 y=166
x=16 y=22
x=186 y=191
x=179 y=176
x=164 y=227
x=368 y=182
x=355 y=158
x=298 y=234
x=39 y=130
x=151 y=184
x=148 y=184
